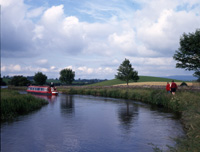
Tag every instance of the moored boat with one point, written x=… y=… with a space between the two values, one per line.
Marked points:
x=47 y=90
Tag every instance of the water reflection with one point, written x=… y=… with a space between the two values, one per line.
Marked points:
x=50 y=99
x=127 y=113
x=67 y=104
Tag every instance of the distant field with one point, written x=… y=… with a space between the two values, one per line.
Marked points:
x=154 y=83
x=52 y=80
x=144 y=80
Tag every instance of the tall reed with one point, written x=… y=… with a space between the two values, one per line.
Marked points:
x=14 y=104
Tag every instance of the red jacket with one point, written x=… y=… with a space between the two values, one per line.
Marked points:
x=168 y=87
x=173 y=85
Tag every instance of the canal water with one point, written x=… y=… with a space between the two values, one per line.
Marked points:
x=77 y=123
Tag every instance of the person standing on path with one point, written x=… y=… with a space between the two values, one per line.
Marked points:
x=173 y=87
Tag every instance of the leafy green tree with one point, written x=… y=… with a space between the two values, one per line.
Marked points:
x=19 y=81
x=188 y=54
x=126 y=72
x=2 y=83
x=40 y=78
x=67 y=76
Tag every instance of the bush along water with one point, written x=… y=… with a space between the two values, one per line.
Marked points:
x=185 y=102
x=14 y=104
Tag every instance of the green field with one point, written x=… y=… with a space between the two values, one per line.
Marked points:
x=142 y=79
x=52 y=80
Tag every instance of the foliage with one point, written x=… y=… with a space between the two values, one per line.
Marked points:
x=183 y=84
x=19 y=81
x=7 y=80
x=67 y=76
x=40 y=78
x=2 y=83
x=188 y=54
x=14 y=104
x=126 y=72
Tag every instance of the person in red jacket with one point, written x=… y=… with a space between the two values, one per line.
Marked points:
x=173 y=87
x=168 y=89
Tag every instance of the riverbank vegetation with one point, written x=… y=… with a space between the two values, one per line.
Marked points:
x=185 y=102
x=13 y=104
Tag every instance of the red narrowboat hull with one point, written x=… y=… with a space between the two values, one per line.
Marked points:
x=45 y=90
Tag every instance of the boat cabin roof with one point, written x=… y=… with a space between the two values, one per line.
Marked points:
x=38 y=86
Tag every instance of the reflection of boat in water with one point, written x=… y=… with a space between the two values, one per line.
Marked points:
x=51 y=99
x=45 y=90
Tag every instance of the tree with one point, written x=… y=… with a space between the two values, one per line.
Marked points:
x=188 y=54
x=19 y=81
x=67 y=76
x=2 y=83
x=126 y=72
x=40 y=78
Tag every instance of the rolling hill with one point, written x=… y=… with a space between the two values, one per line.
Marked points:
x=142 y=79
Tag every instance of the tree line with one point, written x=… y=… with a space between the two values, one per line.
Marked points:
x=40 y=79
x=187 y=57
x=66 y=76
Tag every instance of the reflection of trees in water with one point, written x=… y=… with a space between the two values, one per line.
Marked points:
x=67 y=104
x=127 y=114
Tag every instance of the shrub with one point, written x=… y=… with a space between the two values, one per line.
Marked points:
x=183 y=84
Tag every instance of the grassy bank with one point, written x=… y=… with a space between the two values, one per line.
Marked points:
x=14 y=104
x=186 y=102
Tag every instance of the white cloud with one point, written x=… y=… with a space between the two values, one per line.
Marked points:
x=164 y=34
x=36 y=12
x=16 y=29
x=124 y=41
x=69 y=67
x=42 y=61
x=52 y=68
x=38 y=32
x=53 y=15
x=114 y=30
x=158 y=61
x=94 y=72
x=16 y=67
x=11 y=67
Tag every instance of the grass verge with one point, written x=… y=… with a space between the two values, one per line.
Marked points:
x=14 y=104
x=186 y=102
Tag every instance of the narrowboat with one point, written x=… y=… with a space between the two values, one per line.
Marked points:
x=46 y=90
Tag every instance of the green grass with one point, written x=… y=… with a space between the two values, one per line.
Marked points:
x=155 y=79
x=14 y=104
x=142 y=79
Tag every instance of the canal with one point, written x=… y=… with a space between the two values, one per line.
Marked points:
x=77 y=123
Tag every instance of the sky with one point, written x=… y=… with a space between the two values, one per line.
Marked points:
x=93 y=37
